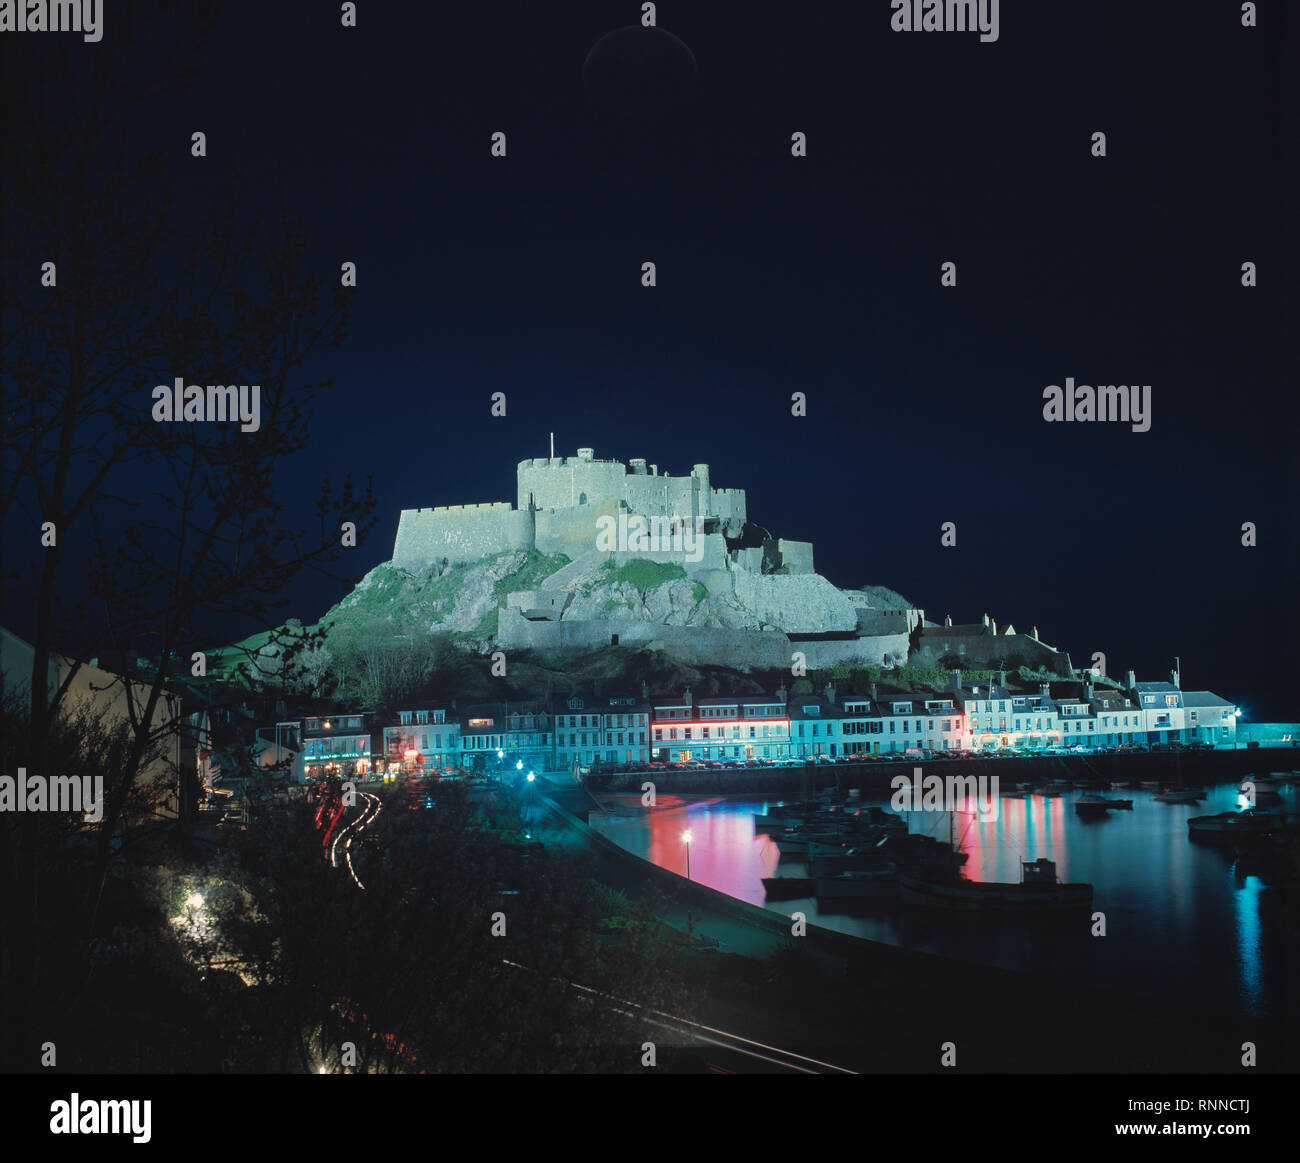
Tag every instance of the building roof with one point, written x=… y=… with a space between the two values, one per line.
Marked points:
x=1111 y=700
x=1205 y=699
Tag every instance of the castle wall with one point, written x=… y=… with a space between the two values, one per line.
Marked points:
x=572 y=532
x=664 y=495
x=865 y=651
x=801 y=604
x=887 y=621
x=459 y=533
x=562 y=483
x=796 y=556
x=740 y=649
x=539 y=603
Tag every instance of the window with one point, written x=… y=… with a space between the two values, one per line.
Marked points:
x=424 y=742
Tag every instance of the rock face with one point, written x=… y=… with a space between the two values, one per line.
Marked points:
x=526 y=600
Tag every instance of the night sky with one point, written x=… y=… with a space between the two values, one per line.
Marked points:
x=820 y=274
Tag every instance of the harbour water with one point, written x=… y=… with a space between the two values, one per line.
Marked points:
x=1183 y=920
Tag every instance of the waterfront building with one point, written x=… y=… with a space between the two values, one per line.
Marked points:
x=595 y=729
x=1209 y=718
x=422 y=741
x=735 y=727
x=521 y=732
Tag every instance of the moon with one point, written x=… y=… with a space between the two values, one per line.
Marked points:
x=639 y=73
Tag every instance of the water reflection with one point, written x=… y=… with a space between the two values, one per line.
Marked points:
x=1177 y=921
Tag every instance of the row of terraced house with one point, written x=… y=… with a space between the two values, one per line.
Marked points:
x=582 y=730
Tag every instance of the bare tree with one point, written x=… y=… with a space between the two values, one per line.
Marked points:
x=141 y=296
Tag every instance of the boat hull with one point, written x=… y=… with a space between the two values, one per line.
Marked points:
x=973 y=896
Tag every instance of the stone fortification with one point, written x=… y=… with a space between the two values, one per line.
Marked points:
x=730 y=592
x=559 y=503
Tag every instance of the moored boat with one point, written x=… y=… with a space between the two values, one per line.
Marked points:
x=1229 y=824
x=1038 y=891
x=1178 y=795
x=1089 y=808
x=860 y=882
x=781 y=888
x=1095 y=800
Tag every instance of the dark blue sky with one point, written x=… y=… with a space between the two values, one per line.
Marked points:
x=819 y=275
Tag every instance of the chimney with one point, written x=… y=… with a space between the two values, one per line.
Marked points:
x=1034 y=634
x=956 y=680
x=994 y=626
x=781 y=693
x=686 y=696
x=1045 y=689
x=986 y=619
x=947 y=620
x=830 y=693
x=873 y=692
x=1002 y=678
x=1132 y=680
x=1087 y=684
x=645 y=689
x=1173 y=677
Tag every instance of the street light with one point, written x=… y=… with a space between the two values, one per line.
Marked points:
x=690 y=919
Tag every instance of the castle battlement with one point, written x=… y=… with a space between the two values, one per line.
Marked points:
x=558 y=506
x=485 y=506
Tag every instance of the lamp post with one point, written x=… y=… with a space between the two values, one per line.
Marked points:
x=690 y=920
x=531 y=779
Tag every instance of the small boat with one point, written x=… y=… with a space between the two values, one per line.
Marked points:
x=782 y=888
x=1038 y=891
x=860 y=882
x=1150 y=785
x=1090 y=808
x=1047 y=791
x=1177 y=795
x=1094 y=799
x=1229 y=824
x=797 y=845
